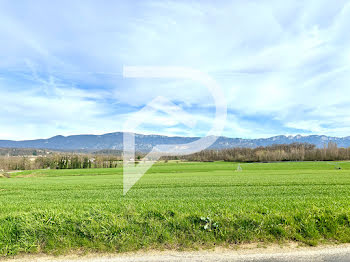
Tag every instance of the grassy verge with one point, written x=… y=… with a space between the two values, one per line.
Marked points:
x=175 y=205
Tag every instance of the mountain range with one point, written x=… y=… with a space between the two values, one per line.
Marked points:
x=145 y=143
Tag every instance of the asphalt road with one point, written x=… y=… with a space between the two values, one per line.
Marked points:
x=329 y=254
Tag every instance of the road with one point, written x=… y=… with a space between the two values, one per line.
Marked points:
x=329 y=254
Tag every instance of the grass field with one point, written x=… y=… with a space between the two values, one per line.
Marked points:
x=175 y=205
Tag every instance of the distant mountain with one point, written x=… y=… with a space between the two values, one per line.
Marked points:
x=145 y=143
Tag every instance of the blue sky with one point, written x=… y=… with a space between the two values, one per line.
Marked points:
x=283 y=65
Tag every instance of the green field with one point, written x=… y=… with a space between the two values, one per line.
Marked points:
x=175 y=205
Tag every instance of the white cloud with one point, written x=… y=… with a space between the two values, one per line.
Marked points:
x=287 y=61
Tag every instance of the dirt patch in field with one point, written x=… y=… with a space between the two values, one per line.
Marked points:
x=29 y=175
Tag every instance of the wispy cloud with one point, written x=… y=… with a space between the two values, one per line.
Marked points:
x=283 y=65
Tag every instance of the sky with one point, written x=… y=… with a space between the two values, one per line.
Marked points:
x=283 y=66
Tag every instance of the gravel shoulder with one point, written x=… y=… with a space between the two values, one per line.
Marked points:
x=291 y=252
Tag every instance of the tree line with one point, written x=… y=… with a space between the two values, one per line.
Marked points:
x=282 y=152
x=58 y=161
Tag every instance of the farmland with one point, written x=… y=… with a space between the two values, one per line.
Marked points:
x=175 y=206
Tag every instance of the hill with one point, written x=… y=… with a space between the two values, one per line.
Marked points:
x=145 y=142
